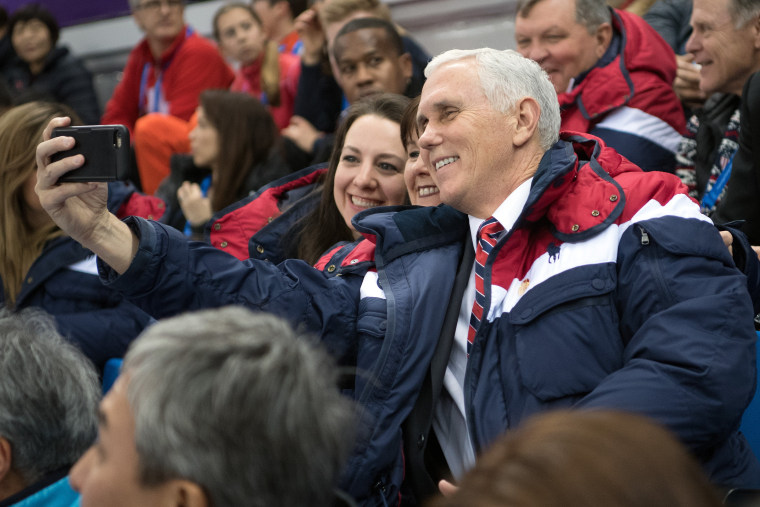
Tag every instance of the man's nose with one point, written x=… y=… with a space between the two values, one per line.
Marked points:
x=692 y=43
x=363 y=74
x=428 y=138
x=80 y=470
x=536 y=52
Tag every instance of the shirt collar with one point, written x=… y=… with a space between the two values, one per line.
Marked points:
x=507 y=212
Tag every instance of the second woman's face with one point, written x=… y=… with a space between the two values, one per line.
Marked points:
x=31 y=40
x=371 y=168
x=419 y=184
x=240 y=36
x=204 y=142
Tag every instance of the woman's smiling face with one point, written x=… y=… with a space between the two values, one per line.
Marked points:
x=371 y=167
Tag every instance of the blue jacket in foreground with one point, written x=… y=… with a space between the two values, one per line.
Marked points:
x=63 y=281
x=612 y=291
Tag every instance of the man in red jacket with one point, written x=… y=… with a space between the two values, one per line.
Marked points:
x=168 y=69
x=612 y=72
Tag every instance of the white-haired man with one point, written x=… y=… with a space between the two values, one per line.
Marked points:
x=592 y=284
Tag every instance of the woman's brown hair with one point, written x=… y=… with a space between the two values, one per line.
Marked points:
x=580 y=458
x=324 y=227
x=246 y=133
x=270 y=67
x=21 y=241
x=409 y=128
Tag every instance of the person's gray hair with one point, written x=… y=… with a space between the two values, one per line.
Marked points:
x=506 y=77
x=589 y=13
x=49 y=394
x=239 y=404
x=744 y=11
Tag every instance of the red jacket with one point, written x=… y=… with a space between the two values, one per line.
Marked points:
x=630 y=102
x=191 y=65
x=248 y=80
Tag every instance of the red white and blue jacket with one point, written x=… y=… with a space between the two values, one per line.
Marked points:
x=612 y=291
x=629 y=101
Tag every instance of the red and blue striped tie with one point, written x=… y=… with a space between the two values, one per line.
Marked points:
x=488 y=233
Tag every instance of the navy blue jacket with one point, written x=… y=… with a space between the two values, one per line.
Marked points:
x=97 y=319
x=611 y=291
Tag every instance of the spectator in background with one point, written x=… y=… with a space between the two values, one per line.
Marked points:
x=42 y=267
x=166 y=71
x=42 y=70
x=612 y=73
x=370 y=58
x=236 y=138
x=741 y=200
x=265 y=73
x=580 y=459
x=320 y=97
x=725 y=41
x=277 y=17
x=49 y=395
x=224 y=408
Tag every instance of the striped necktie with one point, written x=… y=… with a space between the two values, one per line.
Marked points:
x=488 y=233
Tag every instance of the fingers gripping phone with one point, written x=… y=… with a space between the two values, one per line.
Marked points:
x=105 y=149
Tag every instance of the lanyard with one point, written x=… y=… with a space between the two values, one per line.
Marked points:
x=157 y=89
x=711 y=197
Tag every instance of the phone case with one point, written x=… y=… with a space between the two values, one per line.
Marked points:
x=105 y=149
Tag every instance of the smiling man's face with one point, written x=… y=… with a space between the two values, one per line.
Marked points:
x=463 y=139
x=550 y=35
x=727 y=55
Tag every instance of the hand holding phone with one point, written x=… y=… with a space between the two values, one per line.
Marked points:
x=105 y=149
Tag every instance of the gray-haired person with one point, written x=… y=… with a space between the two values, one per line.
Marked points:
x=48 y=398
x=224 y=408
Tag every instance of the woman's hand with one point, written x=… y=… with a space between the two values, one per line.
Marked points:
x=195 y=207
x=80 y=209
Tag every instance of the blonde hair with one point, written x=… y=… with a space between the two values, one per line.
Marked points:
x=20 y=242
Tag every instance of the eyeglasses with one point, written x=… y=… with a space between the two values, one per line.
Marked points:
x=155 y=5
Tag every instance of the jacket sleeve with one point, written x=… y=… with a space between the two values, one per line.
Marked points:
x=171 y=275
x=687 y=326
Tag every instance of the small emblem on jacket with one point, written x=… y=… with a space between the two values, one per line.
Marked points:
x=524 y=286
x=553 y=251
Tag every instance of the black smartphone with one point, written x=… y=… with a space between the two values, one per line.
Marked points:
x=105 y=149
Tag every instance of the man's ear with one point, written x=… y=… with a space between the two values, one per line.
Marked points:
x=603 y=38
x=755 y=24
x=6 y=458
x=186 y=493
x=526 y=115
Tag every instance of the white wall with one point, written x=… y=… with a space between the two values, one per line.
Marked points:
x=437 y=24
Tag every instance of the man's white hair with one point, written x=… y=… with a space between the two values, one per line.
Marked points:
x=505 y=78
